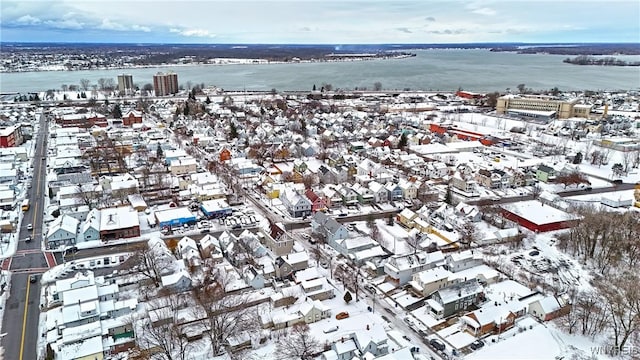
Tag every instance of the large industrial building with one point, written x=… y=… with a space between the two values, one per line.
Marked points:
x=165 y=83
x=541 y=107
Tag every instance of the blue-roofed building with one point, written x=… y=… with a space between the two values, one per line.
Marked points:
x=217 y=208
x=173 y=217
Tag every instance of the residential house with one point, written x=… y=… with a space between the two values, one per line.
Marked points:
x=468 y=212
x=545 y=173
x=328 y=227
x=349 y=197
x=463 y=183
x=364 y=194
x=288 y=264
x=455 y=298
x=492 y=318
x=326 y=175
x=437 y=170
x=549 y=308
x=118 y=223
x=400 y=268
x=296 y=205
x=394 y=190
x=307 y=312
x=463 y=260
x=277 y=240
x=62 y=231
x=90 y=228
x=430 y=280
x=183 y=165
x=317 y=289
x=488 y=179
x=409 y=190
x=379 y=191
x=318 y=202
x=406 y=217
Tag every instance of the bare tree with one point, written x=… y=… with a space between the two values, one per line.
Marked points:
x=622 y=297
x=377 y=86
x=152 y=263
x=87 y=196
x=468 y=233
x=627 y=160
x=223 y=314
x=165 y=334
x=413 y=242
x=84 y=84
x=299 y=344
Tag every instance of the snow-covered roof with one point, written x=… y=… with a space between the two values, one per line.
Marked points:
x=538 y=213
x=64 y=222
x=118 y=218
x=431 y=275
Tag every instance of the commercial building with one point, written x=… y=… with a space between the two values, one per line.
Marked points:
x=543 y=107
x=534 y=216
x=10 y=136
x=165 y=83
x=125 y=83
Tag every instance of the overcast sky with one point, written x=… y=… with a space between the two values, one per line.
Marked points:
x=320 y=22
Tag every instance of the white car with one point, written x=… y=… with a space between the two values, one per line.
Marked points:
x=30 y=227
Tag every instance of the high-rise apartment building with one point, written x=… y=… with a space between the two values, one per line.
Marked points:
x=165 y=83
x=125 y=83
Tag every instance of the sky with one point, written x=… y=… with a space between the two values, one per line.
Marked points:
x=319 y=22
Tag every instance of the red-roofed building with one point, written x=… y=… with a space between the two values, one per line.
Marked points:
x=318 y=203
x=10 y=136
x=133 y=117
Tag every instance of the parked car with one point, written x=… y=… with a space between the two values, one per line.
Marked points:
x=33 y=278
x=437 y=344
x=476 y=345
x=342 y=315
x=331 y=329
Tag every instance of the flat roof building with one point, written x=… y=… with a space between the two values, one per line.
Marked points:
x=541 y=106
x=165 y=83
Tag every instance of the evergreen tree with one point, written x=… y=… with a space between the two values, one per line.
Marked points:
x=314 y=87
x=116 y=113
x=578 y=158
x=403 y=141
x=159 y=152
x=207 y=100
x=233 y=131
x=347 y=297
x=186 y=110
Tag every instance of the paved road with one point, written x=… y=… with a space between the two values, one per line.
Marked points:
x=22 y=311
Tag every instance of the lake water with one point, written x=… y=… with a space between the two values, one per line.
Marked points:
x=441 y=69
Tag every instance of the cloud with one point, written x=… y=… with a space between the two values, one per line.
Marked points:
x=305 y=28
x=64 y=24
x=450 y=32
x=110 y=25
x=28 y=20
x=404 y=30
x=484 y=11
x=140 y=28
x=430 y=19
x=107 y=24
x=193 y=32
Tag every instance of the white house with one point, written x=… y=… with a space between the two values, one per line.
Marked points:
x=62 y=231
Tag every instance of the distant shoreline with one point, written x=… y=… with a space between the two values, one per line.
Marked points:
x=223 y=62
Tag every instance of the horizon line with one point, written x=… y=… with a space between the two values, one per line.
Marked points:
x=325 y=44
